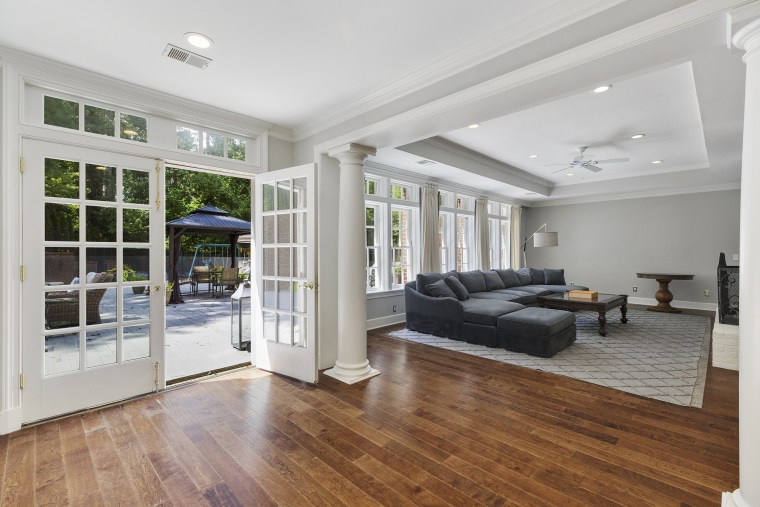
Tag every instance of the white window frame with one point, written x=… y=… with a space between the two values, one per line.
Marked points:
x=499 y=257
x=378 y=247
x=449 y=212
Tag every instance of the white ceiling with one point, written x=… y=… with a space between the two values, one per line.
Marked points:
x=299 y=64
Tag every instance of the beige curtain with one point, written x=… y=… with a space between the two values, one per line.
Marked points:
x=431 y=249
x=515 y=237
x=481 y=234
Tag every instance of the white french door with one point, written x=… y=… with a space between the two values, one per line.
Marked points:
x=284 y=302
x=92 y=297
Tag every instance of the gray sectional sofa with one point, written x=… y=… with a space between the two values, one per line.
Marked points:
x=494 y=308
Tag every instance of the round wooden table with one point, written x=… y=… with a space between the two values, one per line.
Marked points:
x=663 y=295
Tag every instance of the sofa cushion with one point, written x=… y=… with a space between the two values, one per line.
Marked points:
x=439 y=289
x=523 y=274
x=509 y=277
x=534 y=289
x=554 y=277
x=559 y=288
x=473 y=281
x=459 y=289
x=486 y=311
x=524 y=298
x=537 y=276
x=425 y=279
x=493 y=280
x=536 y=321
x=499 y=296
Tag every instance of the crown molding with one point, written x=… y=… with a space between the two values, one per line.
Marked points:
x=626 y=38
x=281 y=133
x=636 y=195
x=40 y=71
x=394 y=172
x=559 y=15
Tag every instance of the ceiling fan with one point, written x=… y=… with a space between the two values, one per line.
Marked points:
x=590 y=164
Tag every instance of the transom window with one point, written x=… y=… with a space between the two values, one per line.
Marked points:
x=210 y=143
x=75 y=115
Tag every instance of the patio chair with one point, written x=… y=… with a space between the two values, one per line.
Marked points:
x=202 y=274
x=228 y=278
x=62 y=308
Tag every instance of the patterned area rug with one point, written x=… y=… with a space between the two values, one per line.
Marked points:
x=660 y=356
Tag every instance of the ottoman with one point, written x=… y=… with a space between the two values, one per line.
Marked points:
x=536 y=331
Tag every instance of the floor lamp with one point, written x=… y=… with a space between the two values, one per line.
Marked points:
x=540 y=239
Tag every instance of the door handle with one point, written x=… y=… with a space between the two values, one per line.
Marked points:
x=308 y=285
x=156 y=288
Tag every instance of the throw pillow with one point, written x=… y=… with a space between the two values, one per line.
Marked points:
x=439 y=289
x=554 y=276
x=493 y=280
x=509 y=277
x=425 y=279
x=537 y=276
x=473 y=281
x=458 y=288
x=523 y=274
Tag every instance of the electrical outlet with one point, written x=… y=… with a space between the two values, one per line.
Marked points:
x=635 y=289
x=394 y=308
x=707 y=293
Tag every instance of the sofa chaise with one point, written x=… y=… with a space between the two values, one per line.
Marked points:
x=494 y=308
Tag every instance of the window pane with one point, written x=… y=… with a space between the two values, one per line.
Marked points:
x=136 y=303
x=299 y=227
x=136 y=342
x=100 y=260
x=268 y=229
x=136 y=186
x=299 y=193
x=101 y=223
x=269 y=294
x=283 y=261
x=283 y=195
x=100 y=183
x=99 y=121
x=61 y=222
x=267 y=260
x=283 y=295
x=235 y=148
x=213 y=144
x=283 y=228
x=370 y=216
x=187 y=139
x=61 y=352
x=101 y=347
x=61 y=178
x=61 y=265
x=268 y=194
x=299 y=330
x=100 y=306
x=134 y=128
x=61 y=113
x=136 y=265
x=370 y=187
x=283 y=329
x=299 y=262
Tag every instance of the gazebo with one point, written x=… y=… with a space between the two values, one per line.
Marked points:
x=206 y=220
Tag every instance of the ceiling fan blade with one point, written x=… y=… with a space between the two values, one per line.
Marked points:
x=611 y=160
x=563 y=169
x=593 y=168
x=565 y=164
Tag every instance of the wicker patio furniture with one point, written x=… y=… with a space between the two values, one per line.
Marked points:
x=227 y=279
x=202 y=274
x=62 y=308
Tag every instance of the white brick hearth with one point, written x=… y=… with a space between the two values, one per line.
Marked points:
x=725 y=349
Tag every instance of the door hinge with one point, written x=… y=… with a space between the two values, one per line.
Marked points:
x=21 y=165
x=157 y=367
x=22 y=273
x=21 y=380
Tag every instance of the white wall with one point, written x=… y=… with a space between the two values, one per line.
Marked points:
x=280 y=154
x=603 y=245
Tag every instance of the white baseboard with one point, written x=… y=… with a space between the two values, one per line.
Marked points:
x=388 y=320
x=691 y=305
x=10 y=420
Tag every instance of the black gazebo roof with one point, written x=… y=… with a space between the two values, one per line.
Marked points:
x=208 y=220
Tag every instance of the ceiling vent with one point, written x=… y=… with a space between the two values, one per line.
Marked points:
x=185 y=56
x=426 y=162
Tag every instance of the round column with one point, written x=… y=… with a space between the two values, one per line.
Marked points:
x=352 y=364
x=748 y=493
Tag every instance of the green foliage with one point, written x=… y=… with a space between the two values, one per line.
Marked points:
x=187 y=139
x=99 y=121
x=61 y=178
x=236 y=149
x=61 y=113
x=134 y=128
x=213 y=144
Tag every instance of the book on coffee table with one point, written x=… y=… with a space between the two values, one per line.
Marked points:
x=584 y=294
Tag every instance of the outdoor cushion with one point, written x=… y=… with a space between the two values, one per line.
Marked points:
x=439 y=289
x=473 y=281
x=523 y=274
x=509 y=277
x=493 y=280
x=554 y=276
x=537 y=276
x=537 y=321
x=458 y=288
x=485 y=312
x=425 y=279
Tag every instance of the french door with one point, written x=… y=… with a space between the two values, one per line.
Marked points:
x=93 y=289
x=284 y=302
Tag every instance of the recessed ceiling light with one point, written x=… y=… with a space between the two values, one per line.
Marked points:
x=473 y=125
x=571 y=174
x=602 y=89
x=198 y=40
x=657 y=161
x=533 y=156
x=637 y=136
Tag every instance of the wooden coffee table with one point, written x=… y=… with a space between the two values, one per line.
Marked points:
x=601 y=304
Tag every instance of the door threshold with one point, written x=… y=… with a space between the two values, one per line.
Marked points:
x=206 y=374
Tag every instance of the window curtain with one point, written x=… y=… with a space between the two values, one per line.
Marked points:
x=515 y=233
x=431 y=248
x=481 y=234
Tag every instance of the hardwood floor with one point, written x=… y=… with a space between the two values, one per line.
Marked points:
x=435 y=428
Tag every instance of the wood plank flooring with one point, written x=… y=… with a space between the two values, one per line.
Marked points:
x=435 y=428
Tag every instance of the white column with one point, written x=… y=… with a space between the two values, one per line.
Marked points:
x=352 y=364
x=748 y=493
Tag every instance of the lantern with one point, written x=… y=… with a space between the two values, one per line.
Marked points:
x=241 y=317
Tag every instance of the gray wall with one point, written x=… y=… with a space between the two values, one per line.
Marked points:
x=603 y=245
x=280 y=154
